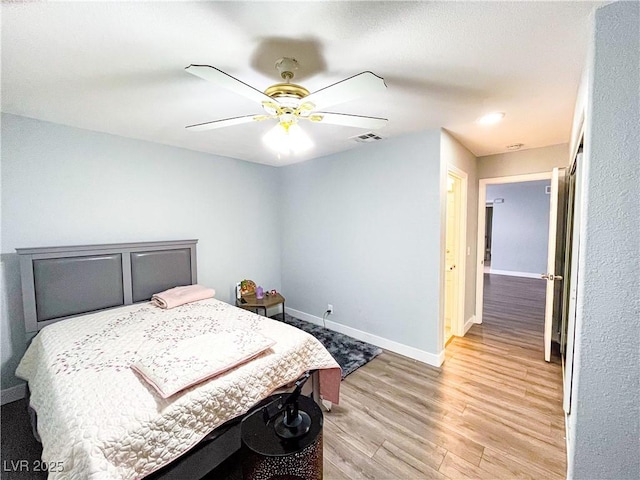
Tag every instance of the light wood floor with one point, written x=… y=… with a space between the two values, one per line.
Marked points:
x=493 y=410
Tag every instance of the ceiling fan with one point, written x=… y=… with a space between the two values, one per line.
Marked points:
x=289 y=103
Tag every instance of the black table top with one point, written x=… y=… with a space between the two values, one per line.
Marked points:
x=262 y=439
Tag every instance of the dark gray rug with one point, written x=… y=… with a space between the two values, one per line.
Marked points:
x=350 y=353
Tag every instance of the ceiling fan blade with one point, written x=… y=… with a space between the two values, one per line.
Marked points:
x=347 y=120
x=365 y=83
x=226 y=122
x=225 y=80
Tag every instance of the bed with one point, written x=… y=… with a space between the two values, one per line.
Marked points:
x=96 y=416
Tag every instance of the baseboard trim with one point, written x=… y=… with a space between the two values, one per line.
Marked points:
x=469 y=323
x=12 y=394
x=396 y=347
x=514 y=274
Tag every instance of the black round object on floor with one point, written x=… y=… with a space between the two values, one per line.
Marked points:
x=267 y=455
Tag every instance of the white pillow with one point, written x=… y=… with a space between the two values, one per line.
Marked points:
x=200 y=358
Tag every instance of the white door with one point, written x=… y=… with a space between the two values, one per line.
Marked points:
x=451 y=257
x=555 y=251
x=453 y=287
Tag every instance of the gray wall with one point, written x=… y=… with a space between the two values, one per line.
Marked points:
x=520 y=233
x=67 y=186
x=456 y=154
x=361 y=230
x=604 y=425
x=534 y=160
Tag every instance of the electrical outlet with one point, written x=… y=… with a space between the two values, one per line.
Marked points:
x=329 y=308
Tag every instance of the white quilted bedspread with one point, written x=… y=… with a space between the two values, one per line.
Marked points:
x=102 y=421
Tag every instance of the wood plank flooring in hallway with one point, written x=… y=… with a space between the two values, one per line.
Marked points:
x=493 y=410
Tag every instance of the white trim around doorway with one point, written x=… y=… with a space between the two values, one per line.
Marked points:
x=482 y=199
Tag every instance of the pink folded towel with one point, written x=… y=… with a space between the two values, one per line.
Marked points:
x=194 y=360
x=174 y=297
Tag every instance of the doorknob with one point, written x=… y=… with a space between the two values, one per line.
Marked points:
x=550 y=276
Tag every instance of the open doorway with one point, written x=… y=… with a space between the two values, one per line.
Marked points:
x=517 y=228
x=514 y=246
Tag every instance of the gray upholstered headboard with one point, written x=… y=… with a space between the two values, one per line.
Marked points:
x=63 y=282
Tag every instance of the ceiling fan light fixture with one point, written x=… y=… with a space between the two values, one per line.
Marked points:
x=287 y=138
x=491 y=118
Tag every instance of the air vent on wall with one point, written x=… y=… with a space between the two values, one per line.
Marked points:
x=367 y=138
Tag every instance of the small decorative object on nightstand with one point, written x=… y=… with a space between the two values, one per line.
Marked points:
x=247 y=287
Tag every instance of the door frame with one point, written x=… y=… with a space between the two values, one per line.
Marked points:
x=457 y=324
x=482 y=199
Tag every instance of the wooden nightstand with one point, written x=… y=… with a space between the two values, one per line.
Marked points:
x=252 y=303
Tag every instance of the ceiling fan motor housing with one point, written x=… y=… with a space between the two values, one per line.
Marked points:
x=286 y=90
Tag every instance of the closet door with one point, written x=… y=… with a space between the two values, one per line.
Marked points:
x=572 y=289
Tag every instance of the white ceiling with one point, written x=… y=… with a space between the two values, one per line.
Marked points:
x=119 y=67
